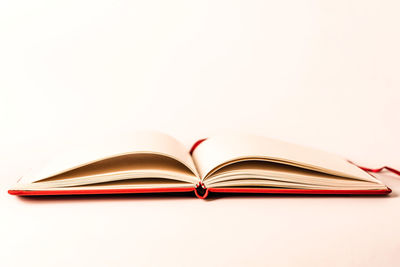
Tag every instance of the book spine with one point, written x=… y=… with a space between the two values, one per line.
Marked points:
x=201 y=191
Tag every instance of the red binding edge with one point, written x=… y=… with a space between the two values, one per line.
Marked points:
x=96 y=191
x=301 y=191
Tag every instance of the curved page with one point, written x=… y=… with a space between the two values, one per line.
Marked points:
x=217 y=151
x=138 y=143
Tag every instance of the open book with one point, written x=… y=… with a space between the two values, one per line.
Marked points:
x=155 y=162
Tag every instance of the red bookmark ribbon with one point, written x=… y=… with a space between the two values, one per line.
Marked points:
x=195 y=145
x=378 y=169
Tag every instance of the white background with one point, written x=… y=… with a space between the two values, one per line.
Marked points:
x=318 y=73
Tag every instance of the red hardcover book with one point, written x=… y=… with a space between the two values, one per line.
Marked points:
x=235 y=163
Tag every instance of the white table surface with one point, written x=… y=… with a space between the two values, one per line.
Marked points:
x=186 y=231
x=318 y=73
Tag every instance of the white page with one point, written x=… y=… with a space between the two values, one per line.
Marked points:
x=221 y=149
x=140 y=142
